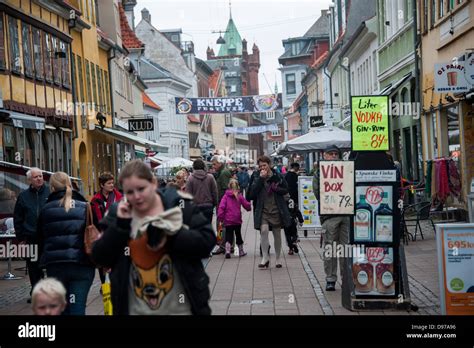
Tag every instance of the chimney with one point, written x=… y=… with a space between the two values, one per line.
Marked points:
x=128 y=6
x=146 y=15
x=210 y=53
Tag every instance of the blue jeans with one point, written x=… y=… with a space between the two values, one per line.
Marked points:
x=77 y=279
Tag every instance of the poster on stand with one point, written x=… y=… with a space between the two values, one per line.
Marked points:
x=308 y=203
x=372 y=271
x=373 y=219
x=455 y=245
x=336 y=188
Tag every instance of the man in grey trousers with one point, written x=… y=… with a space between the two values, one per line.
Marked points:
x=335 y=228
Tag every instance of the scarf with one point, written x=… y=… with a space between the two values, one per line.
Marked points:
x=170 y=221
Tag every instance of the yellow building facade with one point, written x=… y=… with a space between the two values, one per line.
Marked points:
x=447 y=33
x=34 y=79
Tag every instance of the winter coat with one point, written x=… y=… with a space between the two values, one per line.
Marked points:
x=292 y=181
x=187 y=247
x=61 y=233
x=223 y=177
x=229 y=209
x=99 y=204
x=243 y=178
x=203 y=187
x=27 y=210
x=281 y=189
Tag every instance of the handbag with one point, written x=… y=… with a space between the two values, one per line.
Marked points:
x=91 y=234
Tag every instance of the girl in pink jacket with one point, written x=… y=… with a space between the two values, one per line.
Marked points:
x=229 y=211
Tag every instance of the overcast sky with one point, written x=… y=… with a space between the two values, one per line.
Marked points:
x=264 y=22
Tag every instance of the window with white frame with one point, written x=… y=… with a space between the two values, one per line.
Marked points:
x=275 y=145
x=270 y=115
x=290 y=84
x=276 y=133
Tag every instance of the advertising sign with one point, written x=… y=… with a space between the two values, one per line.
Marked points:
x=370 y=122
x=308 y=204
x=372 y=271
x=373 y=220
x=251 y=130
x=244 y=104
x=450 y=77
x=331 y=116
x=455 y=244
x=469 y=66
x=336 y=188
x=141 y=125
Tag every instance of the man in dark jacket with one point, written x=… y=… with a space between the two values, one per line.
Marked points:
x=292 y=180
x=335 y=227
x=203 y=187
x=243 y=178
x=27 y=209
x=188 y=246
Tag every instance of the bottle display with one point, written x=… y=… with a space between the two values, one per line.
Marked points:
x=383 y=221
x=384 y=276
x=363 y=275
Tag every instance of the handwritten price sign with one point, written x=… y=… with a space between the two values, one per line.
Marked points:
x=336 y=187
x=370 y=117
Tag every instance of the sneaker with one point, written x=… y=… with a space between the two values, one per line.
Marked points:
x=220 y=250
x=290 y=252
x=331 y=286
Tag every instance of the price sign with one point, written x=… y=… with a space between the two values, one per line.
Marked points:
x=336 y=187
x=370 y=123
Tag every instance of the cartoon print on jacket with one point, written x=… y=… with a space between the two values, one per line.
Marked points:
x=152 y=272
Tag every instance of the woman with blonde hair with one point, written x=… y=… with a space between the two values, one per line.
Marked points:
x=61 y=226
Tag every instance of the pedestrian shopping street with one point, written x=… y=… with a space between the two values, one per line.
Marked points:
x=238 y=287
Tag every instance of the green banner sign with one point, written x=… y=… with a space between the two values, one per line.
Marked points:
x=370 y=123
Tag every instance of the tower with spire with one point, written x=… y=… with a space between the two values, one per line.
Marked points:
x=240 y=70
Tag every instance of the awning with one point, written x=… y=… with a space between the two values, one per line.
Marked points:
x=132 y=138
x=392 y=88
x=26 y=121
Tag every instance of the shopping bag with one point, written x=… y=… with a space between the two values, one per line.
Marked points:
x=106 y=295
x=220 y=229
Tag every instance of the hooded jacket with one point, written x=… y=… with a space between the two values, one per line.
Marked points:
x=229 y=209
x=203 y=187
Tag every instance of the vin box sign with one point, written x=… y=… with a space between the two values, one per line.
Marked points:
x=336 y=187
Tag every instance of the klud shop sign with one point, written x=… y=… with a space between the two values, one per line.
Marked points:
x=140 y=125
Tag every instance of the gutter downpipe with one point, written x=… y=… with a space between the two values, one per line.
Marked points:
x=417 y=42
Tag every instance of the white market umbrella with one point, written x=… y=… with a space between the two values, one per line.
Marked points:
x=176 y=162
x=316 y=140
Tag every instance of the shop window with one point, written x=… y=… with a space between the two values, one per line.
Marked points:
x=37 y=53
x=26 y=43
x=15 y=63
x=434 y=128
x=48 y=72
x=2 y=44
x=454 y=143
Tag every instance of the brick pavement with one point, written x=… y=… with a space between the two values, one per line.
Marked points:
x=238 y=287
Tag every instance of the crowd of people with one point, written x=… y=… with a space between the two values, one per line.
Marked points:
x=155 y=233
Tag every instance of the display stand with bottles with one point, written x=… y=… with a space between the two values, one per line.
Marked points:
x=375 y=276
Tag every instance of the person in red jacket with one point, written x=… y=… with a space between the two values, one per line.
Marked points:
x=102 y=201
x=230 y=213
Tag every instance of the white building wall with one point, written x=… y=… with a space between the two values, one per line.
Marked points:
x=299 y=71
